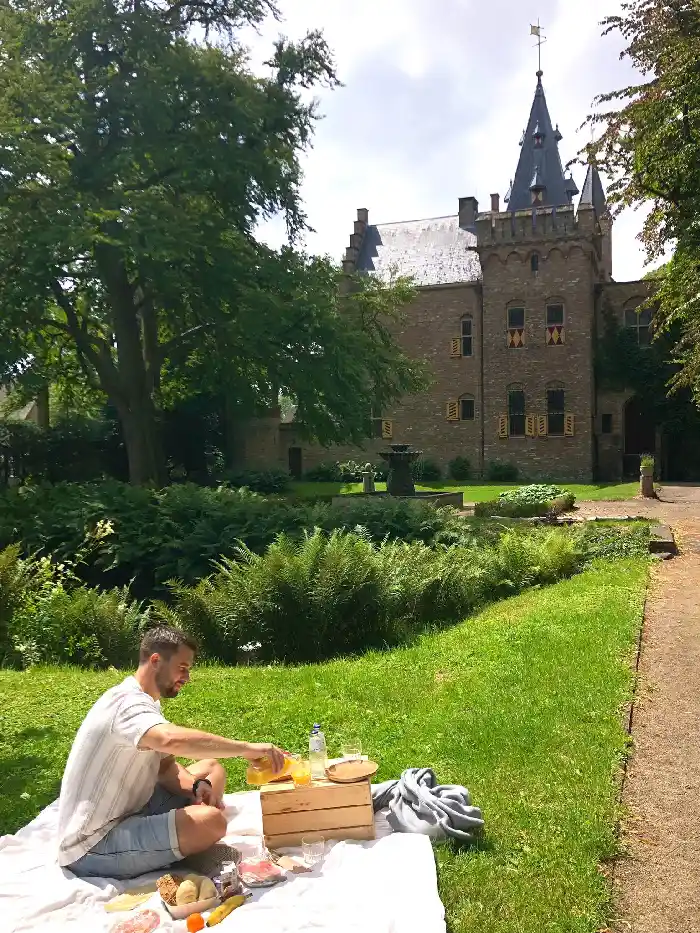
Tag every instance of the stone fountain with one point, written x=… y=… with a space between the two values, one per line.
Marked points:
x=400 y=484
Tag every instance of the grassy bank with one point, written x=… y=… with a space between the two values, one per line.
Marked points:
x=521 y=703
x=477 y=492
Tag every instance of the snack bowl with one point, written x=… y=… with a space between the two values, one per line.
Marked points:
x=198 y=907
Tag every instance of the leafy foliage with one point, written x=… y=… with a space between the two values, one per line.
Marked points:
x=265 y=481
x=128 y=210
x=154 y=536
x=499 y=472
x=650 y=146
x=46 y=619
x=341 y=594
x=527 y=501
x=537 y=492
x=460 y=469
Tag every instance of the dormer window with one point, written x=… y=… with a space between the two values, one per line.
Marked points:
x=538 y=137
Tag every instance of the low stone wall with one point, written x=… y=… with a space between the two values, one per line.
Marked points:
x=437 y=499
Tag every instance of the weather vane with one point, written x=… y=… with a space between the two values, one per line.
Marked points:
x=537 y=31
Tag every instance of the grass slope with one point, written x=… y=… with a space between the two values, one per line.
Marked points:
x=521 y=703
x=611 y=492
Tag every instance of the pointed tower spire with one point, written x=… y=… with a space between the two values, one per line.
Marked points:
x=539 y=177
x=593 y=193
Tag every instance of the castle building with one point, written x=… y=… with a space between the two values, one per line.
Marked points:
x=509 y=307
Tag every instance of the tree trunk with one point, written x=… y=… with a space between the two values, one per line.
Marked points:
x=143 y=443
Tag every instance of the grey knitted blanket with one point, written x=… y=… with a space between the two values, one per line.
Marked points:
x=418 y=804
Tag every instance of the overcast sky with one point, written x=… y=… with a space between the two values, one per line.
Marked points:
x=436 y=95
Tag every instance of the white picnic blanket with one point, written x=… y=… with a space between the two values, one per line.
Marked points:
x=385 y=886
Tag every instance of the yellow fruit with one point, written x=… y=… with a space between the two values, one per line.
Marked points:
x=207 y=889
x=220 y=913
x=186 y=893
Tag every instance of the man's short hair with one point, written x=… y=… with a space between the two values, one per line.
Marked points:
x=164 y=640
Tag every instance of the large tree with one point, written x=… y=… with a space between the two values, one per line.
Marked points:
x=135 y=166
x=650 y=145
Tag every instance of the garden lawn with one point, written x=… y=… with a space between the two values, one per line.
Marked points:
x=521 y=703
x=610 y=492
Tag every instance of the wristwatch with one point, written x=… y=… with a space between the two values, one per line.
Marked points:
x=197 y=783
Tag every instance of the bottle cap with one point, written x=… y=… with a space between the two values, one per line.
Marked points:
x=317 y=726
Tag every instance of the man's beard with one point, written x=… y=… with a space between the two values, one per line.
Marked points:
x=166 y=688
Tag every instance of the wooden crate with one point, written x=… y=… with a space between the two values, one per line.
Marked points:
x=336 y=811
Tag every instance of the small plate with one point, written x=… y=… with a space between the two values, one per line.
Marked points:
x=350 y=772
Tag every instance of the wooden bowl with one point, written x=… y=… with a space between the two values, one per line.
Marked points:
x=350 y=772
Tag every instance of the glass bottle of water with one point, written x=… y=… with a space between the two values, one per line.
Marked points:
x=317 y=753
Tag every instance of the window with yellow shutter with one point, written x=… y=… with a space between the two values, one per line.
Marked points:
x=503 y=425
x=529 y=425
x=452 y=413
x=569 y=425
x=387 y=430
x=541 y=425
x=456 y=347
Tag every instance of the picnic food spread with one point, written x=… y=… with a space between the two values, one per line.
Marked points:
x=220 y=913
x=177 y=891
x=261 y=872
x=143 y=922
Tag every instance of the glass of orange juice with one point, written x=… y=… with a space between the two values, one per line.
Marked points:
x=301 y=773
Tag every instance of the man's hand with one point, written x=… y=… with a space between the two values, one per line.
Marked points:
x=207 y=796
x=257 y=750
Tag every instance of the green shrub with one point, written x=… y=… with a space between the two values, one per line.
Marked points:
x=609 y=542
x=337 y=594
x=537 y=492
x=460 y=469
x=527 y=502
x=45 y=618
x=176 y=533
x=83 y=626
x=323 y=473
x=265 y=481
x=500 y=472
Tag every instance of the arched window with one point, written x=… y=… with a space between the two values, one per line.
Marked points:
x=516 y=410
x=556 y=409
x=638 y=321
x=466 y=407
x=467 y=335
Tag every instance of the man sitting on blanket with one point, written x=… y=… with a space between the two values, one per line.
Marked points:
x=127 y=807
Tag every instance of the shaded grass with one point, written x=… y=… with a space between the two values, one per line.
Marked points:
x=477 y=492
x=521 y=703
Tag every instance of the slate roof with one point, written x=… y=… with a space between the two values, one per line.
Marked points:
x=593 y=192
x=436 y=251
x=539 y=165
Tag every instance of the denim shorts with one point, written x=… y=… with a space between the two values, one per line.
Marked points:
x=143 y=842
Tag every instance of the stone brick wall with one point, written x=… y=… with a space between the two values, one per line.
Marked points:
x=566 y=274
x=573 y=270
x=612 y=298
x=426 y=333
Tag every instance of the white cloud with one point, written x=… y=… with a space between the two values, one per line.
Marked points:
x=436 y=95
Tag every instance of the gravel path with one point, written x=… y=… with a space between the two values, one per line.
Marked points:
x=657 y=881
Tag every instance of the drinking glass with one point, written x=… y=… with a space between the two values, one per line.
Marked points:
x=352 y=749
x=301 y=773
x=313 y=849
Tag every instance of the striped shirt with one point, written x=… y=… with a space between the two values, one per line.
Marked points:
x=107 y=776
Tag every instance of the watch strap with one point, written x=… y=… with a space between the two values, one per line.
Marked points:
x=196 y=784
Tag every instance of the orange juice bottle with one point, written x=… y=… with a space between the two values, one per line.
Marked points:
x=260 y=772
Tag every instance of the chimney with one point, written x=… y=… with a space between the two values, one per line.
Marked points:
x=363 y=215
x=468 y=209
x=495 y=203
